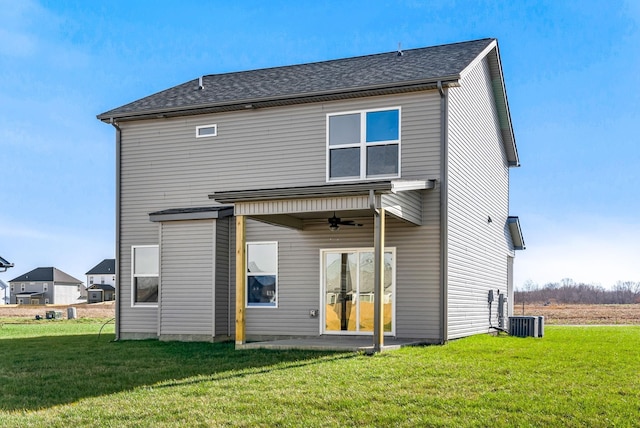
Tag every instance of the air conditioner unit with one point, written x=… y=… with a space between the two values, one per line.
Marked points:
x=530 y=326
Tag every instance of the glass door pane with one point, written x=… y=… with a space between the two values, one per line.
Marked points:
x=340 y=286
x=365 y=291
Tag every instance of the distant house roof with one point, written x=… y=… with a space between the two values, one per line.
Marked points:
x=105 y=287
x=105 y=267
x=47 y=274
x=414 y=66
x=4 y=265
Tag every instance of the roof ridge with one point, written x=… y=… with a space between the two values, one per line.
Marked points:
x=340 y=59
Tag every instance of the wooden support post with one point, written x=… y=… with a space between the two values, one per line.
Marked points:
x=378 y=281
x=241 y=279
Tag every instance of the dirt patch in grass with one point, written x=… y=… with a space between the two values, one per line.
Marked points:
x=83 y=310
x=583 y=314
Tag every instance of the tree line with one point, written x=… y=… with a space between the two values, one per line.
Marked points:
x=568 y=291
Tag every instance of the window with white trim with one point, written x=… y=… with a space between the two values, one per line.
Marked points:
x=22 y=287
x=206 y=131
x=45 y=287
x=363 y=144
x=145 y=268
x=262 y=274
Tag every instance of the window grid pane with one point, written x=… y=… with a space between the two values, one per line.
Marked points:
x=382 y=125
x=382 y=160
x=344 y=129
x=344 y=163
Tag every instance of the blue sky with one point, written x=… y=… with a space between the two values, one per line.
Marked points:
x=571 y=70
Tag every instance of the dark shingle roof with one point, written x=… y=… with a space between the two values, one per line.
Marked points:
x=296 y=82
x=4 y=263
x=107 y=266
x=105 y=287
x=47 y=274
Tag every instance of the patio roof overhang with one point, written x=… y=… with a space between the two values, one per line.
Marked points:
x=516 y=233
x=29 y=294
x=290 y=206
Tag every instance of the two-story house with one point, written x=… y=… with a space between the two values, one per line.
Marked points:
x=45 y=285
x=101 y=282
x=364 y=197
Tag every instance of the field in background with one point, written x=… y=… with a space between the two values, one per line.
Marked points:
x=83 y=310
x=569 y=314
x=583 y=314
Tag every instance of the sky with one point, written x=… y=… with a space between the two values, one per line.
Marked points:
x=571 y=70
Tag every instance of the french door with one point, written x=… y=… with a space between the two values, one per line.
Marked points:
x=347 y=284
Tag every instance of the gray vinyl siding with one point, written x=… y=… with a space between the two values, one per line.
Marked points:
x=186 y=298
x=164 y=166
x=225 y=283
x=478 y=188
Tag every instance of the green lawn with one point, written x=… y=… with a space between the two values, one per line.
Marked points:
x=61 y=374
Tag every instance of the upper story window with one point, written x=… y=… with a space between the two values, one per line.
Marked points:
x=363 y=144
x=45 y=287
x=91 y=280
x=206 y=131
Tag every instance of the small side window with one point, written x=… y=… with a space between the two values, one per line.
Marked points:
x=206 y=131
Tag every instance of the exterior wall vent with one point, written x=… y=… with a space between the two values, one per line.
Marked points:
x=526 y=326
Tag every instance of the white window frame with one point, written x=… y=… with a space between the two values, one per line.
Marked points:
x=46 y=301
x=247 y=275
x=45 y=287
x=362 y=145
x=135 y=304
x=22 y=287
x=323 y=293
x=215 y=131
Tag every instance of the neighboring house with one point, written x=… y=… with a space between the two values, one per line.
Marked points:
x=364 y=196
x=45 y=285
x=101 y=280
x=4 y=287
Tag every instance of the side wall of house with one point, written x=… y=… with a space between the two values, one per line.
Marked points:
x=64 y=294
x=164 y=166
x=478 y=205
x=187 y=278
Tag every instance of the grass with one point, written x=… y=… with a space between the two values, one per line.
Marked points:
x=60 y=373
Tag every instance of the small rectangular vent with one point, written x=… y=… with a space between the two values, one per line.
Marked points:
x=532 y=326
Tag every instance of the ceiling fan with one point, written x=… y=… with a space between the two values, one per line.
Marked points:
x=336 y=222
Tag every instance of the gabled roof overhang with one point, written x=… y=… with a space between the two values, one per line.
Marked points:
x=492 y=53
x=516 y=233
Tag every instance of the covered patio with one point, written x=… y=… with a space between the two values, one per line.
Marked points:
x=290 y=207
x=334 y=343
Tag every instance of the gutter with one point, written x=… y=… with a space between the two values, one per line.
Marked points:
x=118 y=258
x=444 y=212
x=253 y=103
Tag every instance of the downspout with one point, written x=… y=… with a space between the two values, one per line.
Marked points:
x=118 y=258
x=444 y=211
